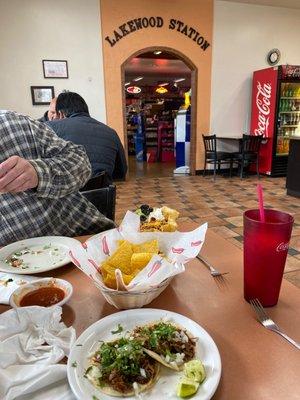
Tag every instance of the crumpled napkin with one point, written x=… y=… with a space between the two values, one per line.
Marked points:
x=32 y=342
x=10 y=282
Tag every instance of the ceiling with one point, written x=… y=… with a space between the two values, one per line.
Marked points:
x=157 y=70
x=272 y=3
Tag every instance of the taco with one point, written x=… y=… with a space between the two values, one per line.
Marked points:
x=167 y=343
x=122 y=368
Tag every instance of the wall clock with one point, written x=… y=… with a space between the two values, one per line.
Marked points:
x=273 y=57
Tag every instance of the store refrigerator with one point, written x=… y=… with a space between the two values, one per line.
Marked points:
x=275 y=115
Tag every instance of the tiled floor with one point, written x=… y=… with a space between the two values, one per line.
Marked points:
x=221 y=204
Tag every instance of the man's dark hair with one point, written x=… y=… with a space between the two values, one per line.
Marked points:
x=70 y=103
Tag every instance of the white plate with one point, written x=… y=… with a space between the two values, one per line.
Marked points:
x=42 y=254
x=66 y=286
x=165 y=388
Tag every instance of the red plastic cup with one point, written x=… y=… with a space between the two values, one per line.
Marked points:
x=265 y=250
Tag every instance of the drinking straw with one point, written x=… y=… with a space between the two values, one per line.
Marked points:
x=261 y=203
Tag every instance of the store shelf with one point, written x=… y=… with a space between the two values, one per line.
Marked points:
x=282 y=154
x=288 y=126
x=290 y=98
x=287 y=137
x=289 y=112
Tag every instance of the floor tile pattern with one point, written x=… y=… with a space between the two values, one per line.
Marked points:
x=220 y=203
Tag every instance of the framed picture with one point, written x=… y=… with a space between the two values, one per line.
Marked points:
x=55 y=69
x=41 y=95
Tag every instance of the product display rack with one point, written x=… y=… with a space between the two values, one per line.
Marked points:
x=151 y=139
x=166 y=141
x=131 y=133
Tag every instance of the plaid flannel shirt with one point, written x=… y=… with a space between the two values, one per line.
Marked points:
x=55 y=207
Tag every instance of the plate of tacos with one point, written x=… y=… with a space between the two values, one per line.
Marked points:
x=144 y=354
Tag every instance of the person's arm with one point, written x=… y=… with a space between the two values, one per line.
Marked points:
x=62 y=167
x=120 y=169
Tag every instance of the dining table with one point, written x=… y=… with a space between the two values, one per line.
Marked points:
x=257 y=364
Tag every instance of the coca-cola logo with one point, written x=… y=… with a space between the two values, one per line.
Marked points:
x=291 y=71
x=263 y=102
x=282 y=247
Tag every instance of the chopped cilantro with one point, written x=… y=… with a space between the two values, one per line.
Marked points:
x=74 y=364
x=119 y=330
x=8 y=280
x=47 y=247
x=95 y=398
x=123 y=355
x=158 y=332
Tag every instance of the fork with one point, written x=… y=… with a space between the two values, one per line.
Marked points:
x=213 y=271
x=268 y=323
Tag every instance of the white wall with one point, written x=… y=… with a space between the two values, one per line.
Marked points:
x=32 y=30
x=243 y=35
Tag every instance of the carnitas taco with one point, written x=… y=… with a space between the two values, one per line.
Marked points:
x=122 y=368
x=169 y=344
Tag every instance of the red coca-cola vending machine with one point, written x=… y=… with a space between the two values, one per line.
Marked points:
x=275 y=114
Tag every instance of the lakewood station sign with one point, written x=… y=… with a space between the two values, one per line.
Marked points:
x=156 y=22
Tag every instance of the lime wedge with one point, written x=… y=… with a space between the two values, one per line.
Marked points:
x=194 y=370
x=187 y=387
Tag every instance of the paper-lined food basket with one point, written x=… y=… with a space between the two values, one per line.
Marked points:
x=178 y=248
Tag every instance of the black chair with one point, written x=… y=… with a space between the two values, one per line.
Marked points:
x=96 y=182
x=212 y=156
x=104 y=199
x=249 y=153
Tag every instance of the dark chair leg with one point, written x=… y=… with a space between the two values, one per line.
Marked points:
x=242 y=169
x=230 y=167
x=204 y=168
x=257 y=168
x=219 y=166
x=215 y=168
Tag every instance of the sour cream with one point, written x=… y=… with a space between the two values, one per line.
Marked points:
x=157 y=214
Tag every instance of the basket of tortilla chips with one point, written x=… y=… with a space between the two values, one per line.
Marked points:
x=131 y=268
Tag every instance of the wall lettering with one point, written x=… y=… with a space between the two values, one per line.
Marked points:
x=156 y=22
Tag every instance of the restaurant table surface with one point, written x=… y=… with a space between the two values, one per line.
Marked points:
x=256 y=364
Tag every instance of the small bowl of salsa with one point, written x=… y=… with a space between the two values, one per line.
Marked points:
x=44 y=292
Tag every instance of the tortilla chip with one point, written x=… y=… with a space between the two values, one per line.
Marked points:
x=107 y=269
x=110 y=281
x=121 y=258
x=169 y=213
x=170 y=226
x=140 y=260
x=127 y=278
x=146 y=247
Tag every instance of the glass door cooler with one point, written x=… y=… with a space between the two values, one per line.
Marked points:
x=276 y=114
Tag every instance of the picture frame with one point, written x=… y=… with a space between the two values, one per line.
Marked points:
x=42 y=95
x=57 y=69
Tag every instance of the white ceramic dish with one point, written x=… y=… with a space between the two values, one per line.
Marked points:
x=17 y=295
x=88 y=342
x=36 y=255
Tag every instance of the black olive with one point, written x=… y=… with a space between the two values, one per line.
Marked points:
x=143 y=218
x=150 y=209
x=144 y=208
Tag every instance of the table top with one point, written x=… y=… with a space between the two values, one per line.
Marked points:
x=256 y=364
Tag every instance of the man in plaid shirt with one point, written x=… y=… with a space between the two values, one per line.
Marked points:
x=40 y=175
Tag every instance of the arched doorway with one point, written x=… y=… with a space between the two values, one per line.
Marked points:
x=193 y=84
